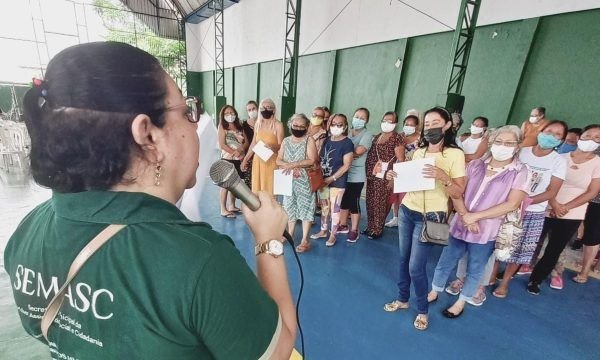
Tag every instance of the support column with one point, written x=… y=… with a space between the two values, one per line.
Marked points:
x=290 y=60
x=463 y=40
x=219 y=74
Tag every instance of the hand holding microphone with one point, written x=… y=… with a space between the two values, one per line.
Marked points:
x=269 y=221
x=263 y=214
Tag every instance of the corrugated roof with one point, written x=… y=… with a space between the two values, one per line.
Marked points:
x=162 y=15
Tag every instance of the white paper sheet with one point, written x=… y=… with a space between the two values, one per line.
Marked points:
x=381 y=174
x=262 y=151
x=410 y=176
x=282 y=183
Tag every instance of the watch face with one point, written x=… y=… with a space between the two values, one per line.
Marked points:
x=275 y=247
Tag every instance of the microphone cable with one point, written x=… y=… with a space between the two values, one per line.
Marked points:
x=290 y=240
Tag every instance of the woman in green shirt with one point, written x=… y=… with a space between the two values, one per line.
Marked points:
x=115 y=140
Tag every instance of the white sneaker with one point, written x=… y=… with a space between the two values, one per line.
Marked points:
x=392 y=223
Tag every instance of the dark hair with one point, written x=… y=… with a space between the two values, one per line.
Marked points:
x=413 y=117
x=224 y=123
x=577 y=131
x=561 y=123
x=365 y=110
x=253 y=103
x=391 y=113
x=79 y=118
x=326 y=109
x=590 y=127
x=482 y=118
x=333 y=116
x=449 y=135
x=541 y=109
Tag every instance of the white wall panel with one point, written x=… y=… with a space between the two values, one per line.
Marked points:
x=254 y=29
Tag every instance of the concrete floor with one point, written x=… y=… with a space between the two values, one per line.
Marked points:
x=345 y=289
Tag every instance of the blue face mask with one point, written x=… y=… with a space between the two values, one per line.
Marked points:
x=358 y=123
x=546 y=141
x=566 y=148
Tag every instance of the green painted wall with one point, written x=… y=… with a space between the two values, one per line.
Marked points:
x=497 y=61
x=229 y=84
x=563 y=71
x=367 y=76
x=552 y=61
x=270 y=82
x=315 y=80
x=245 y=87
x=424 y=76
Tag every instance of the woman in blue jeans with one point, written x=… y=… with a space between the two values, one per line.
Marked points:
x=437 y=142
x=495 y=186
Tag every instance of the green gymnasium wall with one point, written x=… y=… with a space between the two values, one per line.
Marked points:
x=552 y=61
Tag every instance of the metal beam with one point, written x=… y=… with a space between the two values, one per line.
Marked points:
x=290 y=55
x=219 y=78
x=463 y=40
x=290 y=59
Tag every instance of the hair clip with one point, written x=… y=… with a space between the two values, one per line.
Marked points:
x=41 y=86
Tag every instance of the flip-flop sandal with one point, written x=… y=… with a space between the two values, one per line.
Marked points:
x=499 y=294
x=317 y=236
x=395 y=306
x=421 y=322
x=228 y=216
x=303 y=247
x=330 y=243
x=579 y=279
x=235 y=210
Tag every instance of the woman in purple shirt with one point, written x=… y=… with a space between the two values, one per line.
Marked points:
x=495 y=186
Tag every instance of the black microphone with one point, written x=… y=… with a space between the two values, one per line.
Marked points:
x=224 y=174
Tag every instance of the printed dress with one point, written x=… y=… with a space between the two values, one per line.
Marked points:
x=301 y=205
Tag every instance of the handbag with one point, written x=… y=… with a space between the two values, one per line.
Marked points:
x=315 y=174
x=434 y=232
x=85 y=253
x=510 y=231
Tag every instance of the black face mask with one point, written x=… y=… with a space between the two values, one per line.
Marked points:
x=434 y=136
x=299 y=133
x=266 y=114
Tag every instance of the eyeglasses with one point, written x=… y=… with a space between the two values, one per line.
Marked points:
x=191 y=108
x=506 y=143
x=338 y=125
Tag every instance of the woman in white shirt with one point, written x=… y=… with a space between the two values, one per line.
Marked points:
x=476 y=144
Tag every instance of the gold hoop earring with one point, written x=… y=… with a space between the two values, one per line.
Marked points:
x=157 y=173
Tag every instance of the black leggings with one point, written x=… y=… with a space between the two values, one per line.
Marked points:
x=351 y=198
x=591 y=225
x=559 y=231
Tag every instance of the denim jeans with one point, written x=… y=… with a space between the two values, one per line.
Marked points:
x=413 y=257
x=479 y=254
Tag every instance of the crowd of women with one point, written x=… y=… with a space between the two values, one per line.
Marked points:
x=542 y=178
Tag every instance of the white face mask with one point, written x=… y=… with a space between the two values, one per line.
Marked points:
x=336 y=131
x=230 y=118
x=387 y=127
x=501 y=152
x=587 y=145
x=409 y=130
x=533 y=119
x=253 y=114
x=476 y=130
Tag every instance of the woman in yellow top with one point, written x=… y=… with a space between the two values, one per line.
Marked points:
x=436 y=142
x=269 y=130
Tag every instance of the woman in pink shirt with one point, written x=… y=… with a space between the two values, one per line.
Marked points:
x=495 y=186
x=581 y=185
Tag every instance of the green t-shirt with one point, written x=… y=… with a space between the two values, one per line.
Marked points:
x=162 y=288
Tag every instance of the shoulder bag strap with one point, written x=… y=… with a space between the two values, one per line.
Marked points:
x=85 y=253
